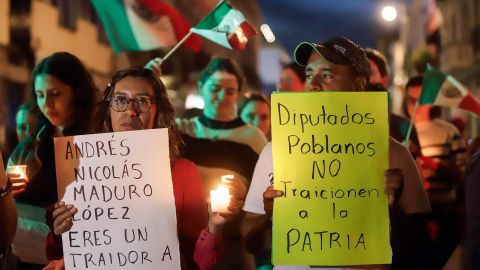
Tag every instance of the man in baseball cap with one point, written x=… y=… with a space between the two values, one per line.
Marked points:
x=340 y=65
x=343 y=65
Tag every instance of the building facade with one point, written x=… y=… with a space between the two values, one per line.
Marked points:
x=32 y=30
x=460 y=48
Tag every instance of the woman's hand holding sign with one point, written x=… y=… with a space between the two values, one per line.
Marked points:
x=63 y=217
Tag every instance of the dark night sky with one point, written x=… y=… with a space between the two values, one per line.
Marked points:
x=294 y=21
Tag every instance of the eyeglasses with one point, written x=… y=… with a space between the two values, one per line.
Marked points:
x=120 y=103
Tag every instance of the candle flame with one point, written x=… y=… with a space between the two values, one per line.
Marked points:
x=21 y=170
x=219 y=198
x=227 y=178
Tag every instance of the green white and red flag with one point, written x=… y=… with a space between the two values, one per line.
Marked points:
x=140 y=25
x=442 y=89
x=225 y=26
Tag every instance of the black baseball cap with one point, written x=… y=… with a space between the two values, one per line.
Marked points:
x=340 y=51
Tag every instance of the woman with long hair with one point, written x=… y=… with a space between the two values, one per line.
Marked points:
x=64 y=95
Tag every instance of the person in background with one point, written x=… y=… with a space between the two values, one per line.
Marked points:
x=461 y=124
x=64 y=95
x=220 y=143
x=471 y=240
x=444 y=149
x=26 y=121
x=255 y=110
x=378 y=67
x=473 y=147
x=8 y=217
x=292 y=78
x=398 y=124
x=341 y=64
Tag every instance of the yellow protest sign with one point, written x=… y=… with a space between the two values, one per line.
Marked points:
x=330 y=150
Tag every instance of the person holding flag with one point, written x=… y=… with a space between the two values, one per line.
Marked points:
x=398 y=124
x=443 y=163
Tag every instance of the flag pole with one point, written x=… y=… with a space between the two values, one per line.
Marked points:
x=406 y=141
x=473 y=126
x=176 y=46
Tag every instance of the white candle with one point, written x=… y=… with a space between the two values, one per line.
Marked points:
x=219 y=199
x=21 y=170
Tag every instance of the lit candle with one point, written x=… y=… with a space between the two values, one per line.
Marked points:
x=219 y=199
x=21 y=170
x=227 y=178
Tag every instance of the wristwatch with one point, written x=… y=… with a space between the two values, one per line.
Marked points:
x=5 y=191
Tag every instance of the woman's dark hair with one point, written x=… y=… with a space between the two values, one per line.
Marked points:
x=298 y=70
x=165 y=112
x=69 y=70
x=251 y=97
x=414 y=81
x=375 y=87
x=223 y=65
x=379 y=60
x=435 y=112
x=27 y=106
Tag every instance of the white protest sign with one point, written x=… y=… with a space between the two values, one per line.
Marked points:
x=121 y=184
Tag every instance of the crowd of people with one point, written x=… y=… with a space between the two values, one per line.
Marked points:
x=431 y=185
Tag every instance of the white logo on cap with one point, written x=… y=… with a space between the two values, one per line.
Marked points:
x=339 y=48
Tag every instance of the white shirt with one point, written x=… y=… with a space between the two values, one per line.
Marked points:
x=400 y=157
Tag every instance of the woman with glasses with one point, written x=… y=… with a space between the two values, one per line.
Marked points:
x=255 y=110
x=136 y=99
x=64 y=96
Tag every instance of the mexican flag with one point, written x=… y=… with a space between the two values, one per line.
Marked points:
x=140 y=25
x=442 y=89
x=225 y=26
